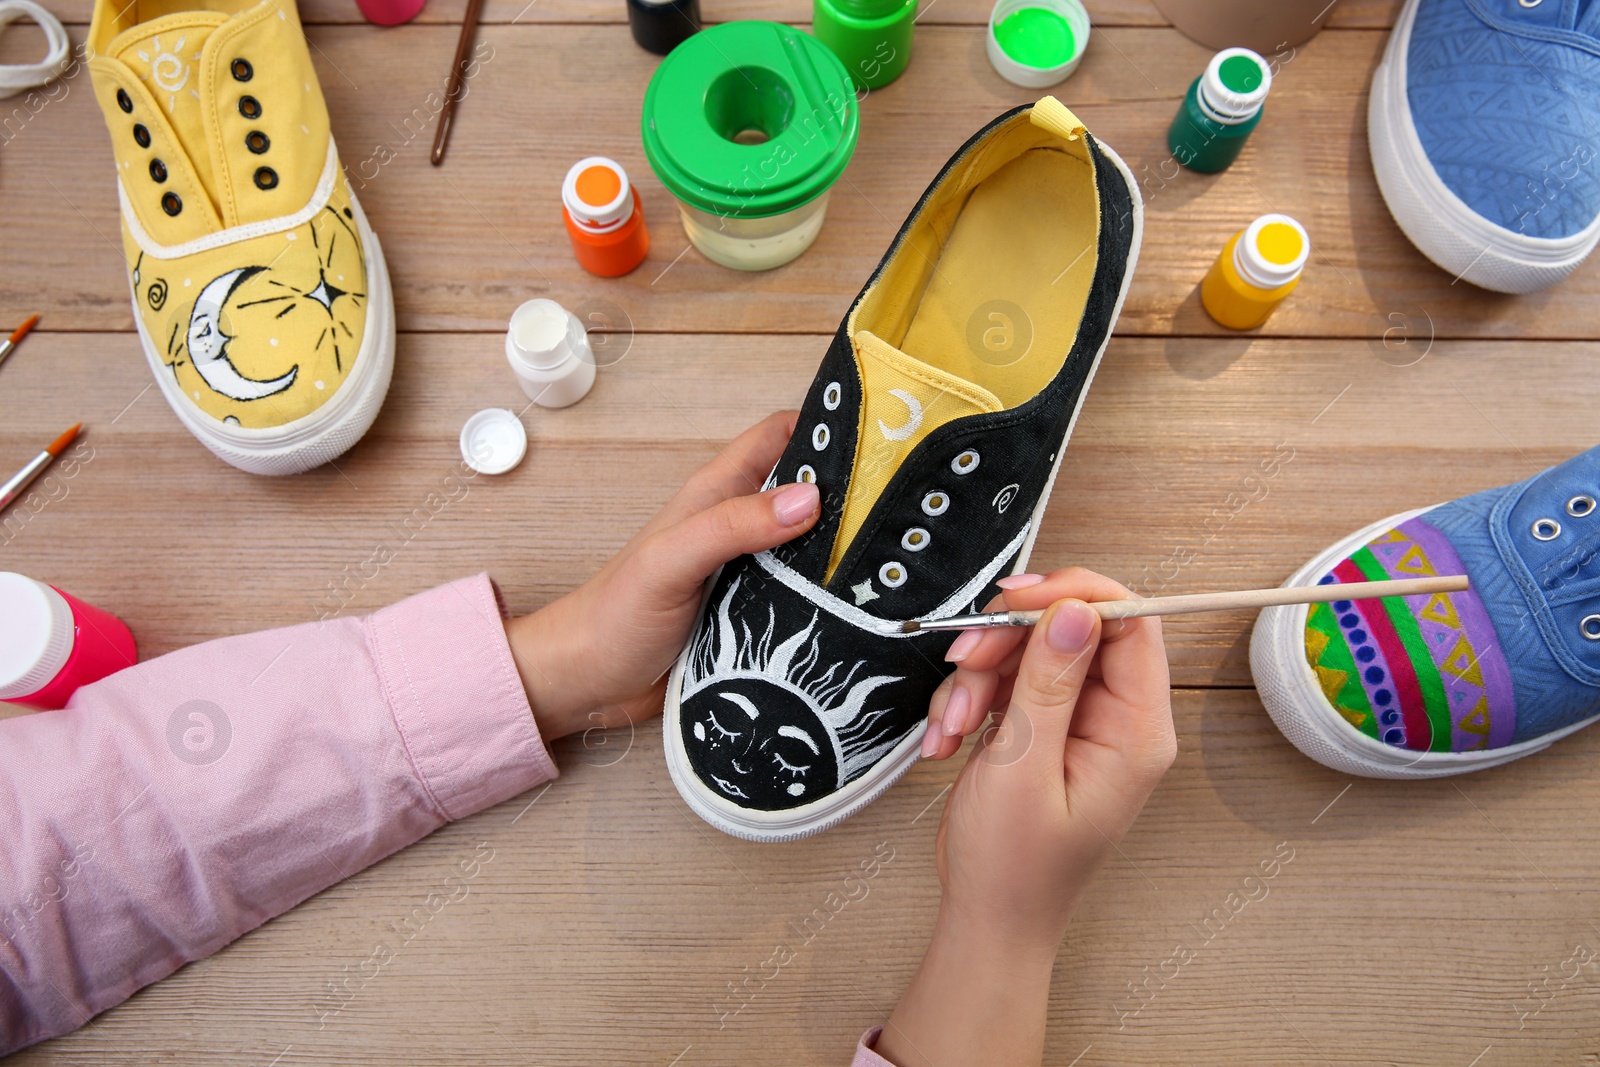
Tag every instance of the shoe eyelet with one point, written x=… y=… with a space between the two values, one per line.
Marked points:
x=1529 y=3
x=242 y=70
x=916 y=539
x=158 y=170
x=141 y=134
x=936 y=503
x=892 y=574
x=1580 y=505
x=249 y=107
x=820 y=436
x=170 y=203
x=965 y=463
x=124 y=101
x=807 y=474
x=266 y=178
x=832 y=395
x=257 y=142
x=1546 y=529
x=1590 y=627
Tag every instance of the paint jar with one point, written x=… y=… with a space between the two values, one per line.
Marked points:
x=548 y=349
x=604 y=217
x=1220 y=109
x=1258 y=267
x=872 y=38
x=52 y=643
x=390 y=12
x=1037 y=43
x=659 y=26
x=750 y=148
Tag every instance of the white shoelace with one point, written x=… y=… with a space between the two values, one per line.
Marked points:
x=14 y=78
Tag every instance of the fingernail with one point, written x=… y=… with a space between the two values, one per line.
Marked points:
x=1019 y=581
x=794 y=504
x=1070 y=626
x=930 y=740
x=955 y=711
x=963 y=646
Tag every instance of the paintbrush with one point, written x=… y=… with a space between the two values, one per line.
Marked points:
x=455 y=84
x=24 y=477
x=16 y=337
x=1186 y=605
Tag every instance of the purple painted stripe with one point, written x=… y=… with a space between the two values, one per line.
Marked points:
x=1479 y=630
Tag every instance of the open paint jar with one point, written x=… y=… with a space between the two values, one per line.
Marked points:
x=1037 y=43
x=750 y=147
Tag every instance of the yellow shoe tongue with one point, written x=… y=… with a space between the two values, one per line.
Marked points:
x=903 y=401
x=165 y=54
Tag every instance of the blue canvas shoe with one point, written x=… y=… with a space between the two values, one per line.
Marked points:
x=1425 y=686
x=1484 y=124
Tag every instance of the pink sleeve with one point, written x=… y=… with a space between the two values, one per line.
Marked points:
x=865 y=1056
x=183 y=802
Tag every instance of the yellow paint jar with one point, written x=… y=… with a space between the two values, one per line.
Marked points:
x=1258 y=267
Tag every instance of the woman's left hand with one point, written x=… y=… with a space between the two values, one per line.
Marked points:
x=599 y=656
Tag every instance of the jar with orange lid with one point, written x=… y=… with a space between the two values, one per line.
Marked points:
x=604 y=217
x=1258 y=268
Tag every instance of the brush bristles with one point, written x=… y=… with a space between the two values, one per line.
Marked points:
x=910 y=627
x=60 y=444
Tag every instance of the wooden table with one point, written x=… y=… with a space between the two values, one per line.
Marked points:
x=1417 y=922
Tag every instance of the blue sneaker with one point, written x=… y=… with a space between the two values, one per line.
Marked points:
x=1425 y=686
x=1484 y=124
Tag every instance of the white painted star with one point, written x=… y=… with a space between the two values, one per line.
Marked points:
x=325 y=294
x=864 y=592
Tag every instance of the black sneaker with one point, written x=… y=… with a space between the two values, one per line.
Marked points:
x=934 y=428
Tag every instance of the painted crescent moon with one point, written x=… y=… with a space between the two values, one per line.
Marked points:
x=912 y=424
x=208 y=345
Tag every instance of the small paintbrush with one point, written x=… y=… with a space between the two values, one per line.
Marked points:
x=16 y=337
x=23 y=478
x=1186 y=605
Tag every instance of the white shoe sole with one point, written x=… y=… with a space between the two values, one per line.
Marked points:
x=1436 y=220
x=1292 y=696
x=333 y=428
x=808 y=819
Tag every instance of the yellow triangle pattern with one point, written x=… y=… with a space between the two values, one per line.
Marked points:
x=1440 y=609
x=1415 y=561
x=1462 y=663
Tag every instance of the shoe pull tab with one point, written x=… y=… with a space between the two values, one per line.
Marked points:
x=1051 y=114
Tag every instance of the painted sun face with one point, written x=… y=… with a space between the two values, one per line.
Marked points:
x=760 y=744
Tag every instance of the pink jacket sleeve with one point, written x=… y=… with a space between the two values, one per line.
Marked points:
x=183 y=802
x=865 y=1056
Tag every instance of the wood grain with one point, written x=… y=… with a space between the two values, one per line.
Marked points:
x=1416 y=923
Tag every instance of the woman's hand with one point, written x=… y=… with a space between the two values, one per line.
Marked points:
x=599 y=656
x=1084 y=734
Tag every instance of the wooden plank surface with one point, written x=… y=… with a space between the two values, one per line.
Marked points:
x=1416 y=923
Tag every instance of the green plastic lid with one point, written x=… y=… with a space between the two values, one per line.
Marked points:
x=752 y=137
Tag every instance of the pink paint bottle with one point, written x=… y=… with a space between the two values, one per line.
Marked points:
x=52 y=643
x=390 y=12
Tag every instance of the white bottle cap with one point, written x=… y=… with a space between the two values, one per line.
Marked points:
x=548 y=349
x=493 y=441
x=597 y=195
x=36 y=635
x=1272 y=251
x=1031 y=77
x=1234 y=86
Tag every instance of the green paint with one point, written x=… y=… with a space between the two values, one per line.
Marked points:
x=1241 y=74
x=1036 y=37
x=1336 y=656
x=1435 y=704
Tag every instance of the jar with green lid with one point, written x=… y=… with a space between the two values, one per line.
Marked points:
x=750 y=147
x=1220 y=110
x=871 y=37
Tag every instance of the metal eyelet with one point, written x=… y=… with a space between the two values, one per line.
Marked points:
x=965 y=463
x=832 y=395
x=1545 y=529
x=249 y=107
x=141 y=134
x=820 y=436
x=1529 y=3
x=158 y=170
x=892 y=574
x=1590 y=627
x=257 y=142
x=124 y=101
x=242 y=70
x=170 y=203
x=916 y=539
x=266 y=178
x=1580 y=505
x=935 y=503
x=807 y=474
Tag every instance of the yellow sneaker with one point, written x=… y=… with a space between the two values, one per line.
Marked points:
x=260 y=291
